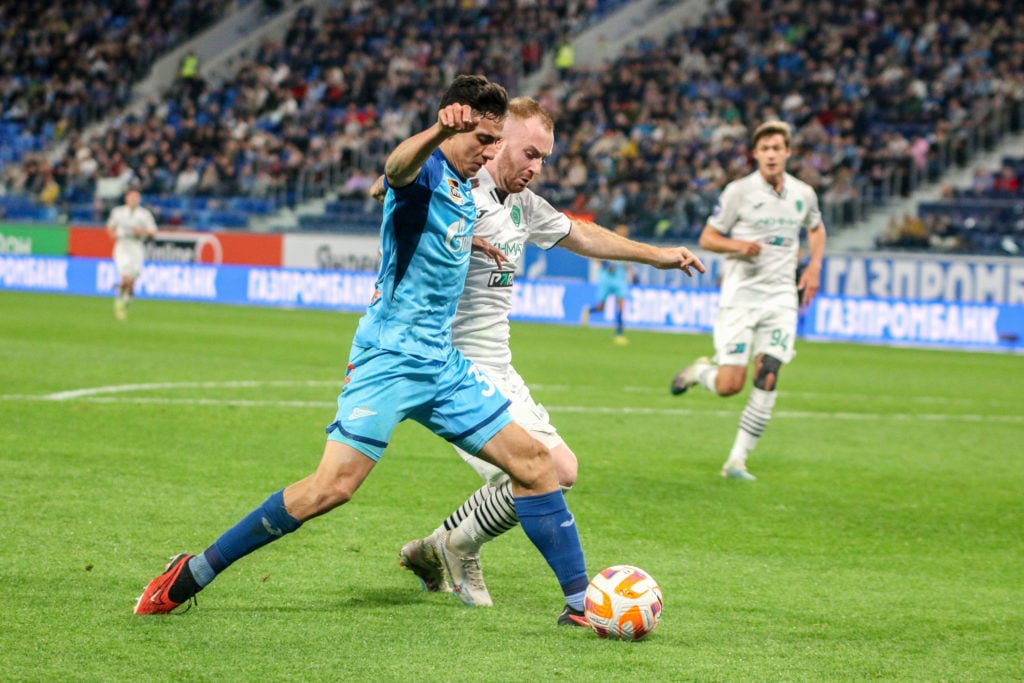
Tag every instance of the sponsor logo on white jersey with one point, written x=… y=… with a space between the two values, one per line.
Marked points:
x=500 y=278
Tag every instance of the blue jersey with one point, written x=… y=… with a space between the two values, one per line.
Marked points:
x=614 y=272
x=426 y=238
x=613 y=280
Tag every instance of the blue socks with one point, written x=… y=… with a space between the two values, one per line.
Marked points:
x=552 y=528
x=269 y=522
x=545 y=519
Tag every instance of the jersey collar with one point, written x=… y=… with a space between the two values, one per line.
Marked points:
x=771 y=188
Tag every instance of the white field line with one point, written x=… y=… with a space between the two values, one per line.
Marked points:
x=123 y=388
x=783 y=394
x=798 y=414
x=108 y=394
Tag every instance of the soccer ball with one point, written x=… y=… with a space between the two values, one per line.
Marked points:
x=623 y=602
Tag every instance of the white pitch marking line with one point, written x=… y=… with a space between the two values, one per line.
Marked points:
x=938 y=400
x=123 y=388
x=802 y=414
x=236 y=402
x=102 y=395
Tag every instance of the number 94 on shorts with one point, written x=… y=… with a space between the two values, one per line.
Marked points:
x=741 y=333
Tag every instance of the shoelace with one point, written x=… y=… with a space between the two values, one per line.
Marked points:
x=471 y=570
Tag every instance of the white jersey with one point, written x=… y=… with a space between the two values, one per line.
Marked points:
x=123 y=218
x=481 y=329
x=750 y=209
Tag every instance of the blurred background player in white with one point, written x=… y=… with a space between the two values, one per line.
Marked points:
x=757 y=225
x=129 y=225
x=613 y=280
x=508 y=216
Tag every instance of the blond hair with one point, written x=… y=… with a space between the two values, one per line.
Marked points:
x=772 y=128
x=524 y=108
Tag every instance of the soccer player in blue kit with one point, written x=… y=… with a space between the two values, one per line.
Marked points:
x=613 y=280
x=402 y=365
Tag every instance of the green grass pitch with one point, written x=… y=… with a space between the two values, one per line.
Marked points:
x=883 y=539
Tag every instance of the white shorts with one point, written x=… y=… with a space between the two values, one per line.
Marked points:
x=744 y=332
x=129 y=255
x=530 y=415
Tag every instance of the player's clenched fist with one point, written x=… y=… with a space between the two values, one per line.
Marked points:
x=457 y=118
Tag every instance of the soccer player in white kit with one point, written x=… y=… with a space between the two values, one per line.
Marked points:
x=757 y=224
x=508 y=216
x=129 y=226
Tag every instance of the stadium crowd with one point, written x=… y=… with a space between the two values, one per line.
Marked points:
x=882 y=95
x=987 y=216
x=66 y=64
x=337 y=91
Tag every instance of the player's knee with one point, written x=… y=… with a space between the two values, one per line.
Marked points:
x=767 y=368
x=730 y=380
x=566 y=465
x=532 y=466
x=334 y=494
x=313 y=498
x=330 y=489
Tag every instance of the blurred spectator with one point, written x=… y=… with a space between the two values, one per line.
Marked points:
x=188 y=74
x=905 y=231
x=942 y=236
x=187 y=180
x=1007 y=182
x=357 y=185
x=565 y=57
x=50 y=191
x=982 y=183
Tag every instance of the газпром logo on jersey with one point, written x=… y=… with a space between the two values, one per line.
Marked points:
x=456 y=240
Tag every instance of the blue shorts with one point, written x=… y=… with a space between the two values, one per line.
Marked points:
x=452 y=398
x=610 y=284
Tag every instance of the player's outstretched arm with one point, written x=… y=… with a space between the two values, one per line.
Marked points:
x=405 y=162
x=592 y=240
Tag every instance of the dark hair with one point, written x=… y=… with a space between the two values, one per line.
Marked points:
x=487 y=99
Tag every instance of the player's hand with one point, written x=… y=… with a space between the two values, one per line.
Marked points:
x=457 y=118
x=748 y=249
x=377 y=190
x=489 y=250
x=808 y=284
x=681 y=258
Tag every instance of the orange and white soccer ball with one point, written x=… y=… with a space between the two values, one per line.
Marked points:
x=623 y=602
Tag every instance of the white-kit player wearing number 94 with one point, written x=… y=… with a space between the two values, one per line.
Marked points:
x=757 y=224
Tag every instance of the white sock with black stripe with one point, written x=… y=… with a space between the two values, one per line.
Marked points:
x=753 y=421
x=494 y=515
